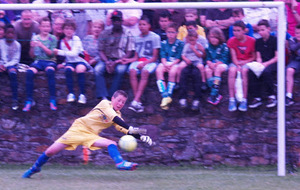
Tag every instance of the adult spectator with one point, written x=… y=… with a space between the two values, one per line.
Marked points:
x=116 y=46
x=96 y=14
x=25 y=28
x=221 y=18
x=39 y=14
x=83 y=21
x=131 y=18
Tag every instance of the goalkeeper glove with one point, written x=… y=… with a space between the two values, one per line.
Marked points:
x=136 y=130
x=146 y=139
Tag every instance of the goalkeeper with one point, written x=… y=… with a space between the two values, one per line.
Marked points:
x=84 y=131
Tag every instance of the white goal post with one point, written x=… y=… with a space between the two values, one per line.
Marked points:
x=281 y=28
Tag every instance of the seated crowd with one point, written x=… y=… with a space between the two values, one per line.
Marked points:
x=194 y=47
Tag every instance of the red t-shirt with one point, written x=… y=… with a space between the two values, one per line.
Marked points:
x=244 y=49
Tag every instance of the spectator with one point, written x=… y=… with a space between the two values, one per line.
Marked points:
x=96 y=14
x=177 y=15
x=294 y=65
x=82 y=19
x=191 y=25
x=2 y=30
x=91 y=43
x=116 y=47
x=25 y=28
x=221 y=18
x=254 y=15
x=17 y=13
x=192 y=55
x=242 y=51
x=190 y=15
x=164 y=20
x=3 y=17
x=57 y=31
x=39 y=14
x=217 y=60
x=130 y=17
x=71 y=48
x=170 y=54
x=266 y=54
x=238 y=14
x=41 y=49
x=147 y=50
x=10 y=52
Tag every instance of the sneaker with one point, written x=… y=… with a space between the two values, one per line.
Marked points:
x=136 y=106
x=214 y=100
x=28 y=105
x=289 y=101
x=125 y=165
x=204 y=86
x=71 y=97
x=183 y=103
x=82 y=99
x=271 y=103
x=30 y=172
x=195 y=105
x=53 y=105
x=255 y=103
x=165 y=102
x=14 y=105
x=232 y=105
x=243 y=106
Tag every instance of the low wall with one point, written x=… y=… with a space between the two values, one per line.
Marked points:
x=209 y=137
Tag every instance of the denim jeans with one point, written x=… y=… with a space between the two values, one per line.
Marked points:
x=100 y=71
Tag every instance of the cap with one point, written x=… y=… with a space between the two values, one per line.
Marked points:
x=116 y=15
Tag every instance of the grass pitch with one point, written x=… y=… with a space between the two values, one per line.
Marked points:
x=146 y=178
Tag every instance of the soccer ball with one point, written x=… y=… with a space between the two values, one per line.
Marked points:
x=127 y=143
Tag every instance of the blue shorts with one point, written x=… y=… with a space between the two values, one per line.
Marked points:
x=295 y=64
x=74 y=64
x=150 y=67
x=41 y=65
x=11 y=67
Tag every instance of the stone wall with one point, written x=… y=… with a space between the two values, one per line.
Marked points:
x=209 y=137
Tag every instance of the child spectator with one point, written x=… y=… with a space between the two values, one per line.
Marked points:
x=293 y=66
x=90 y=42
x=217 y=60
x=10 y=53
x=266 y=54
x=170 y=54
x=238 y=14
x=147 y=50
x=41 y=49
x=190 y=15
x=3 y=17
x=242 y=51
x=164 y=20
x=71 y=48
x=192 y=55
x=192 y=25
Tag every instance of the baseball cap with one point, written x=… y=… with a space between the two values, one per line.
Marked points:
x=116 y=15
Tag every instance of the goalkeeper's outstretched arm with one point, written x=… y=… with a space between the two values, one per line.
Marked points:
x=134 y=131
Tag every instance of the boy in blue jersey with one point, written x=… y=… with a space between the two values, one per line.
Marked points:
x=217 y=61
x=41 y=49
x=170 y=54
x=147 y=46
x=84 y=131
x=10 y=53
